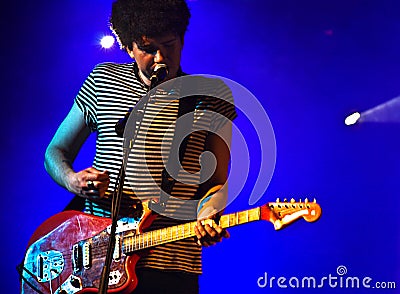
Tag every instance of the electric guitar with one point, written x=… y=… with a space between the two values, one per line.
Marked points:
x=66 y=253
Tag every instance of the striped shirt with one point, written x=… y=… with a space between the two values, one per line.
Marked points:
x=107 y=94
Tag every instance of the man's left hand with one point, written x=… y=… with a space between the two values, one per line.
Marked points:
x=209 y=235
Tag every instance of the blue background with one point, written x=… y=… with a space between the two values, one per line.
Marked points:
x=310 y=64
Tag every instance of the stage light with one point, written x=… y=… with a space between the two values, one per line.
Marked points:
x=352 y=118
x=107 y=42
x=386 y=112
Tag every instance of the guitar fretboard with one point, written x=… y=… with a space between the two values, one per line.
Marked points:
x=149 y=239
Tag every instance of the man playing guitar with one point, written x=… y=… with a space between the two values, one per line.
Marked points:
x=152 y=33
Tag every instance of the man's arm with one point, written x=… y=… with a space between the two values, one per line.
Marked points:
x=62 y=151
x=219 y=146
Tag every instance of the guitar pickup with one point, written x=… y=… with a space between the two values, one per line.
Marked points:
x=76 y=258
x=81 y=256
x=87 y=258
x=117 y=248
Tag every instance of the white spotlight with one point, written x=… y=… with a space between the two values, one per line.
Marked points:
x=107 y=42
x=352 y=118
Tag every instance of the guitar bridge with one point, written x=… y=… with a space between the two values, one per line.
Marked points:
x=50 y=264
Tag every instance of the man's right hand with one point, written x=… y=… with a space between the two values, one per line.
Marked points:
x=89 y=183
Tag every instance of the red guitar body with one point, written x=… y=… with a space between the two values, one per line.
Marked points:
x=66 y=254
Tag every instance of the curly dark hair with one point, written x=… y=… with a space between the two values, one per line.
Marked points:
x=132 y=19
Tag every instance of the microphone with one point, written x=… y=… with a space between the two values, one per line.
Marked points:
x=160 y=72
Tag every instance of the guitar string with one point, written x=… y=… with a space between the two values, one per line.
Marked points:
x=137 y=241
x=140 y=242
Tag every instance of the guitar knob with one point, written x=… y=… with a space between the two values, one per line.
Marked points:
x=75 y=282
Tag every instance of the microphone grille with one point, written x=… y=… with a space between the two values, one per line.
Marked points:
x=160 y=66
x=160 y=72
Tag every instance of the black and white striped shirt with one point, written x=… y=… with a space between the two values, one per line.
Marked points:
x=107 y=94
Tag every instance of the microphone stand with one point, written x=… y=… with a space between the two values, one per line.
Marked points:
x=115 y=205
x=156 y=78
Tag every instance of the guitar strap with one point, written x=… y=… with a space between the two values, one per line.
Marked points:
x=169 y=174
x=171 y=171
x=76 y=203
x=20 y=270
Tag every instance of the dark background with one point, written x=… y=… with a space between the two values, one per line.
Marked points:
x=310 y=64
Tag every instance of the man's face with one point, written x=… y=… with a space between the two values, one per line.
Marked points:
x=152 y=51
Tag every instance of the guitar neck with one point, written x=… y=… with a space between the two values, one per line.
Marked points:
x=241 y=217
x=149 y=239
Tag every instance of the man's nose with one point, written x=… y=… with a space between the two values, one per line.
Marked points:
x=159 y=57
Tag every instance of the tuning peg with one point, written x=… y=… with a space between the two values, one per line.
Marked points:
x=315 y=200
x=306 y=200
x=285 y=200
x=292 y=200
x=277 y=200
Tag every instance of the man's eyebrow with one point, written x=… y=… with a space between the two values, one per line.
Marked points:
x=147 y=46
x=151 y=46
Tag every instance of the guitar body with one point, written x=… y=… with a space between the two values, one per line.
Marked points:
x=66 y=254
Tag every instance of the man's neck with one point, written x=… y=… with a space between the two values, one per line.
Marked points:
x=144 y=79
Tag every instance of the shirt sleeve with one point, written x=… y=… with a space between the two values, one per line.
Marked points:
x=86 y=100
x=224 y=107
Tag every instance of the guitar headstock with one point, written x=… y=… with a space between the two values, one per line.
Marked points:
x=286 y=212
